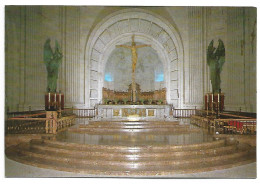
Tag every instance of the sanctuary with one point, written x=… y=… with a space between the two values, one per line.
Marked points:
x=113 y=91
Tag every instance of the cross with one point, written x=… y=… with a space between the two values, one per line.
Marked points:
x=133 y=48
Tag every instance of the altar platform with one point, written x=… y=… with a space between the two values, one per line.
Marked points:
x=98 y=152
x=134 y=112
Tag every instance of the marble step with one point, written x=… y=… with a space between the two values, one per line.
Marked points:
x=25 y=150
x=133 y=168
x=133 y=132
x=113 y=130
x=132 y=149
x=134 y=123
x=140 y=156
x=143 y=129
x=134 y=126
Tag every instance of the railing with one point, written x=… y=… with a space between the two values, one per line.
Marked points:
x=85 y=113
x=220 y=115
x=38 y=124
x=26 y=124
x=18 y=126
x=16 y=114
x=235 y=126
x=205 y=113
x=67 y=112
x=245 y=114
x=183 y=113
x=65 y=122
x=200 y=121
x=53 y=126
x=226 y=126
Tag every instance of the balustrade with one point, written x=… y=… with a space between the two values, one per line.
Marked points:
x=85 y=113
x=183 y=113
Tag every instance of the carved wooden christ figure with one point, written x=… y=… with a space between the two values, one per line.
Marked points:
x=133 y=48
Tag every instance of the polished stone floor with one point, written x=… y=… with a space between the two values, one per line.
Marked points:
x=16 y=169
x=137 y=138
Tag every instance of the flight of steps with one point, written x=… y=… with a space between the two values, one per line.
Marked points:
x=145 y=127
x=150 y=160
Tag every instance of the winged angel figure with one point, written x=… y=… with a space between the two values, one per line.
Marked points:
x=52 y=62
x=215 y=60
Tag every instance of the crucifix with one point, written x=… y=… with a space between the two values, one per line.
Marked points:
x=133 y=48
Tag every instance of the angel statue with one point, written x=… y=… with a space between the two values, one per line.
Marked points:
x=52 y=62
x=215 y=60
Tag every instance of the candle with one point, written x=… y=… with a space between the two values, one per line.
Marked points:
x=60 y=100
x=49 y=99
x=55 y=104
x=218 y=97
x=207 y=103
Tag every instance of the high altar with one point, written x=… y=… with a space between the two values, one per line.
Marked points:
x=134 y=112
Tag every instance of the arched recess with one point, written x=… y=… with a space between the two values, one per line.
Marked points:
x=148 y=28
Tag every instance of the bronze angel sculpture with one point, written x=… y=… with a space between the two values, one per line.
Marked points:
x=215 y=60
x=52 y=61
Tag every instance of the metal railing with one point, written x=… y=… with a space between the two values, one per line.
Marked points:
x=38 y=124
x=24 y=113
x=18 y=126
x=26 y=124
x=226 y=126
x=235 y=126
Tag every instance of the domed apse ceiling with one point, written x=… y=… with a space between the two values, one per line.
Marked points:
x=149 y=69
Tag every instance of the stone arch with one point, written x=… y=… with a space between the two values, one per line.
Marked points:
x=148 y=28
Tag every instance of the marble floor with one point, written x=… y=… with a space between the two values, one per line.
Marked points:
x=138 y=137
x=15 y=169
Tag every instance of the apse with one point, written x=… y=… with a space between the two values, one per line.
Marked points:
x=149 y=69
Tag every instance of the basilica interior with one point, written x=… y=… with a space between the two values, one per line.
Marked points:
x=122 y=91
